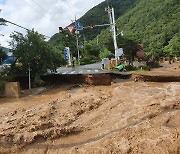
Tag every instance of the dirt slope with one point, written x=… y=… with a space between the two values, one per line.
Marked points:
x=126 y=117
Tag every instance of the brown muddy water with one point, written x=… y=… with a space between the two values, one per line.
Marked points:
x=126 y=117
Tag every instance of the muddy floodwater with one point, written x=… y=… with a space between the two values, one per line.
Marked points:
x=126 y=117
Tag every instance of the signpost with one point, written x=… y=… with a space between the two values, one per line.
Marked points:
x=119 y=52
x=67 y=55
x=71 y=29
x=78 y=26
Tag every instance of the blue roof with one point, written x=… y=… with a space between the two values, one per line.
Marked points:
x=8 y=60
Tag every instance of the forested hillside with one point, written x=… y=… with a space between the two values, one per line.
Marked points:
x=155 y=23
x=98 y=15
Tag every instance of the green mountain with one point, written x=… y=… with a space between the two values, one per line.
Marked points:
x=98 y=15
x=95 y=16
x=155 y=23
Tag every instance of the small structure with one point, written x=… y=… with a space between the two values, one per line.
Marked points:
x=12 y=89
x=140 y=54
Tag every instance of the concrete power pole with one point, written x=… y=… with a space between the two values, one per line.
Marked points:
x=77 y=42
x=29 y=75
x=113 y=29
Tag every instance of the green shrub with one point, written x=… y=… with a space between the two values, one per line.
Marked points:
x=38 y=82
x=153 y=64
x=130 y=68
x=89 y=60
x=146 y=68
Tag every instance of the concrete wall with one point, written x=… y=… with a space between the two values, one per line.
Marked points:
x=12 y=89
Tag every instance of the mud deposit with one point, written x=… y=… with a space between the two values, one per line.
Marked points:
x=126 y=117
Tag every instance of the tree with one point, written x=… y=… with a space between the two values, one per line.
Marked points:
x=2 y=21
x=104 y=53
x=32 y=51
x=173 y=48
x=3 y=55
x=91 y=54
x=153 y=22
x=62 y=40
x=130 y=47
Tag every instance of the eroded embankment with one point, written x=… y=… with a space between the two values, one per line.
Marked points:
x=155 y=78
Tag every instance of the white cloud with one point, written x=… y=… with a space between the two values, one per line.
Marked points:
x=45 y=16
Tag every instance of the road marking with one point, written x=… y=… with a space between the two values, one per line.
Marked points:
x=72 y=72
x=80 y=72
x=88 y=71
x=96 y=71
x=65 y=72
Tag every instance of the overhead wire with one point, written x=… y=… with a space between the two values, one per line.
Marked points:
x=33 y=8
x=71 y=6
x=67 y=2
x=22 y=27
x=65 y=12
x=41 y=7
x=42 y=14
x=44 y=9
x=107 y=1
x=92 y=2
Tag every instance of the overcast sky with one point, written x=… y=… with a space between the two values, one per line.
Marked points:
x=45 y=16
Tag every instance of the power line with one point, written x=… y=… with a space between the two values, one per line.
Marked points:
x=1 y=19
x=92 y=2
x=45 y=10
x=65 y=11
x=107 y=2
x=69 y=2
x=39 y=11
x=33 y=8
x=71 y=7
x=41 y=7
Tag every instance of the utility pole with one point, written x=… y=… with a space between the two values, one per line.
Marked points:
x=84 y=43
x=97 y=40
x=29 y=69
x=77 y=42
x=113 y=29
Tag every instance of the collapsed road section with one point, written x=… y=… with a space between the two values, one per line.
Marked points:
x=101 y=79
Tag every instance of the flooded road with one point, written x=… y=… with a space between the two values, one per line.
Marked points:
x=126 y=117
